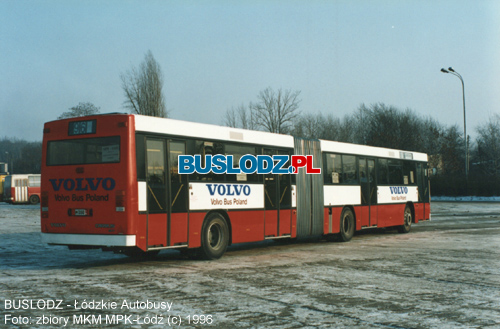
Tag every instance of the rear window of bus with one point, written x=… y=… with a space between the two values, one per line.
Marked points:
x=83 y=151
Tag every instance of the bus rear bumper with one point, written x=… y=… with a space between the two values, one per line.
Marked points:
x=89 y=239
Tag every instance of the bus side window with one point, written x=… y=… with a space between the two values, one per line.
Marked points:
x=383 y=172
x=237 y=151
x=333 y=168
x=409 y=170
x=207 y=148
x=34 y=181
x=350 y=169
x=395 y=172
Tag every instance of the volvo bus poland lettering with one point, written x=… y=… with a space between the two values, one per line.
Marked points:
x=137 y=184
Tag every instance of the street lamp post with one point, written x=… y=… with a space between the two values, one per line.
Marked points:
x=455 y=73
x=8 y=165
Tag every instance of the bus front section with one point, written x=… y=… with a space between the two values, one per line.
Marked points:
x=87 y=182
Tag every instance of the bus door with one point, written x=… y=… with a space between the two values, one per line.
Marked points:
x=166 y=194
x=368 y=184
x=278 y=201
x=423 y=187
x=178 y=197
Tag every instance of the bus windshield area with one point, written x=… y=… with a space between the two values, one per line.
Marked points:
x=83 y=151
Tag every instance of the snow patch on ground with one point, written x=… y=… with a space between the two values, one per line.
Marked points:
x=466 y=198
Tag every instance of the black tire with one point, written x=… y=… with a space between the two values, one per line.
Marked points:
x=408 y=219
x=34 y=199
x=214 y=237
x=347 y=225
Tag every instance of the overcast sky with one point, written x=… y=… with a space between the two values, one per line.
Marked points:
x=219 y=54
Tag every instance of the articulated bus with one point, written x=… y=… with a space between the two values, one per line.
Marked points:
x=112 y=182
x=22 y=189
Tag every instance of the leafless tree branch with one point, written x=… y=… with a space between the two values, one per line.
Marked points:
x=143 y=88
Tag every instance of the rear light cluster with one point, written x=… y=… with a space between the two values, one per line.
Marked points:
x=44 y=203
x=120 y=200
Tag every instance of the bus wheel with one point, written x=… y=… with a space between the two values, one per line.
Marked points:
x=34 y=199
x=347 y=225
x=408 y=219
x=215 y=237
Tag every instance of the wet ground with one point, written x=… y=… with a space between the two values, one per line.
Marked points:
x=444 y=274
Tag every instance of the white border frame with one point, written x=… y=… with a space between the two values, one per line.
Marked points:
x=89 y=239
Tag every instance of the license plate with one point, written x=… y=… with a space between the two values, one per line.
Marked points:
x=80 y=212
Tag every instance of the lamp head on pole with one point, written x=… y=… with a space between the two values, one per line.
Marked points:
x=451 y=69
x=444 y=71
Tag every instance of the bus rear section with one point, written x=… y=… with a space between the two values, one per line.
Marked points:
x=87 y=178
x=22 y=188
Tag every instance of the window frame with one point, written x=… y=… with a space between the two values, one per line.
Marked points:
x=51 y=144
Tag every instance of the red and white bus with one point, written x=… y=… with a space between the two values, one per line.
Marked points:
x=22 y=189
x=112 y=182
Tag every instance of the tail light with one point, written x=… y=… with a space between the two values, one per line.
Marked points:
x=120 y=200
x=44 y=203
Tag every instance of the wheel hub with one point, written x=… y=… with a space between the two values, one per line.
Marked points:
x=215 y=236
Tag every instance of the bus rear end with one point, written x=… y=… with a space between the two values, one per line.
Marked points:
x=88 y=182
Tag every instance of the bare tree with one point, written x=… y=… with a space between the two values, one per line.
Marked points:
x=230 y=118
x=308 y=125
x=452 y=150
x=488 y=146
x=81 y=110
x=240 y=117
x=276 y=111
x=325 y=127
x=143 y=88
x=335 y=129
x=388 y=126
x=431 y=135
x=246 y=117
